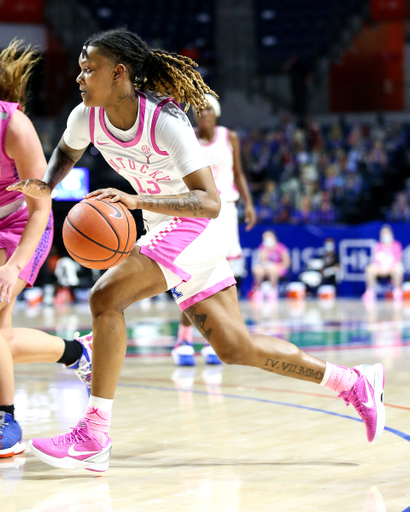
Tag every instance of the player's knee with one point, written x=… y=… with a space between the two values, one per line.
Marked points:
x=233 y=352
x=102 y=298
x=9 y=339
x=371 y=270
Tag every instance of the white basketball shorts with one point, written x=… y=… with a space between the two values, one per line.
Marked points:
x=235 y=251
x=192 y=253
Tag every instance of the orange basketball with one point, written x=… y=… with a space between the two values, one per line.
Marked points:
x=99 y=234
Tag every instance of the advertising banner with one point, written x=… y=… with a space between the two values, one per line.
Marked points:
x=354 y=244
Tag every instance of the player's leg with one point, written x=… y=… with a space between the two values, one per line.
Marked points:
x=219 y=320
x=183 y=352
x=397 y=278
x=274 y=272
x=11 y=441
x=136 y=278
x=371 y=272
x=259 y=274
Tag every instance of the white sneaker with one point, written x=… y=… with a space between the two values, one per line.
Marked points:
x=183 y=354
x=209 y=354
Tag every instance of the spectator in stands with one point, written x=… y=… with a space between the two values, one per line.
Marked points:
x=272 y=263
x=343 y=160
x=268 y=204
x=401 y=209
x=386 y=263
x=322 y=267
x=304 y=214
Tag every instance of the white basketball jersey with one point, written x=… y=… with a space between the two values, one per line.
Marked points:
x=219 y=154
x=148 y=168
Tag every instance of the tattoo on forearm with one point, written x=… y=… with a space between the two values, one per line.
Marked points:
x=275 y=366
x=199 y=319
x=59 y=166
x=189 y=202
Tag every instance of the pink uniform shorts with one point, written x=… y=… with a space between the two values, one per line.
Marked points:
x=11 y=228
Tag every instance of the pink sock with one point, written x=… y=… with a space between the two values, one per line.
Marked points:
x=338 y=378
x=184 y=333
x=99 y=422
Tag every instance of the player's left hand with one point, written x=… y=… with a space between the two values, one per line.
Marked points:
x=8 y=279
x=250 y=217
x=116 y=196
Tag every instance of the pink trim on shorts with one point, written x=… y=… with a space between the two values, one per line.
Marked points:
x=226 y=283
x=168 y=244
x=92 y=124
x=138 y=135
x=157 y=111
x=150 y=253
x=234 y=257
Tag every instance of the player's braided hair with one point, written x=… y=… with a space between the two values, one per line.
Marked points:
x=168 y=74
x=16 y=66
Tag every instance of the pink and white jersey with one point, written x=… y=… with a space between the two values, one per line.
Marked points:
x=154 y=155
x=9 y=201
x=219 y=153
x=273 y=254
x=387 y=255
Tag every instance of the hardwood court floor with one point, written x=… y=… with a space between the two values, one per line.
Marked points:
x=222 y=439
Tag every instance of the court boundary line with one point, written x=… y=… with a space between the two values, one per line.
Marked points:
x=259 y=388
x=394 y=431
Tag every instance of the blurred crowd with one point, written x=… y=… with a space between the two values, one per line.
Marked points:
x=320 y=173
x=400 y=210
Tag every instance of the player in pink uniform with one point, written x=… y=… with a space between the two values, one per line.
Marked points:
x=273 y=262
x=222 y=149
x=26 y=234
x=386 y=263
x=148 y=140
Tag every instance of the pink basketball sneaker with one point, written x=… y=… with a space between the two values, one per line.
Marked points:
x=367 y=397
x=76 y=449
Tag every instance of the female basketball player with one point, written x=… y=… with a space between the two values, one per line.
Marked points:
x=26 y=234
x=222 y=150
x=147 y=139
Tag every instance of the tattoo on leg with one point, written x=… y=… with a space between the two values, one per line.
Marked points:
x=282 y=367
x=198 y=319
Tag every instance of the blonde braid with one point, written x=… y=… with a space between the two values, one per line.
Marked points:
x=179 y=79
x=15 y=71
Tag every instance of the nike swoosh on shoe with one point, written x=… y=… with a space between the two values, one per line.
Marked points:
x=370 y=402
x=73 y=452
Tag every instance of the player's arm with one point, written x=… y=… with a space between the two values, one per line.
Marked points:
x=240 y=181
x=23 y=146
x=202 y=200
x=61 y=162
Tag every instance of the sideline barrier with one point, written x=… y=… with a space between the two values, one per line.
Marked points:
x=354 y=244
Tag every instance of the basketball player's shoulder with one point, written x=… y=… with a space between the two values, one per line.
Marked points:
x=79 y=115
x=232 y=134
x=19 y=126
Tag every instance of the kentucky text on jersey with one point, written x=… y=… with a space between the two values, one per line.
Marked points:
x=159 y=150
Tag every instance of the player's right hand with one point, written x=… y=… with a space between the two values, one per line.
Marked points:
x=32 y=187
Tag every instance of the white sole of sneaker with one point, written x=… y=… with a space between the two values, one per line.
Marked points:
x=379 y=379
x=98 y=462
x=14 y=450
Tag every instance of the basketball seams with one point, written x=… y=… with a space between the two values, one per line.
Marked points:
x=107 y=220
x=115 y=251
x=128 y=224
x=83 y=260
x=72 y=235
